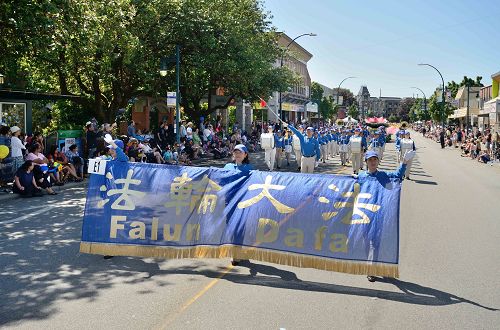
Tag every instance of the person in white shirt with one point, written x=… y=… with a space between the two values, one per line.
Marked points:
x=268 y=144
x=189 y=131
x=17 y=148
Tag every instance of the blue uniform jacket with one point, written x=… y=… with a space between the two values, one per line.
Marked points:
x=308 y=146
x=279 y=141
x=246 y=168
x=382 y=176
x=120 y=156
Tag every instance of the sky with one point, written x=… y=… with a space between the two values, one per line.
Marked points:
x=381 y=42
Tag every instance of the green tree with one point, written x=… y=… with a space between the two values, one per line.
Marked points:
x=403 y=109
x=453 y=87
x=353 y=111
x=436 y=109
x=327 y=108
x=347 y=96
x=316 y=93
x=109 y=51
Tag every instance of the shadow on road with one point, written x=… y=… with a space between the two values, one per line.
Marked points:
x=412 y=293
x=433 y=183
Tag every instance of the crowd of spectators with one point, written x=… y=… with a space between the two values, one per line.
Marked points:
x=28 y=168
x=480 y=145
x=204 y=140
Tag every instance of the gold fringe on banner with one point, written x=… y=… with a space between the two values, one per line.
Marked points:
x=242 y=252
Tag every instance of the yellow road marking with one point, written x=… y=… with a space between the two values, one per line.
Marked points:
x=188 y=303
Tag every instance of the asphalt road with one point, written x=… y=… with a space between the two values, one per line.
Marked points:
x=449 y=251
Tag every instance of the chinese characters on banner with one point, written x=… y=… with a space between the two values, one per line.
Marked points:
x=320 y=221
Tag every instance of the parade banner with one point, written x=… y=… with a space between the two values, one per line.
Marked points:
x=328 y=222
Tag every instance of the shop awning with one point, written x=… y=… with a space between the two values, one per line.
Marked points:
x=492 y=106
x=462 y=112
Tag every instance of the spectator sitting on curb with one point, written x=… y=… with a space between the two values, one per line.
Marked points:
x=484 y=157
x=25 y=183
x=41 y=168
x=74 y=158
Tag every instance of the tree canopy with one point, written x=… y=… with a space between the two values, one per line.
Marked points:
x=453 y=87
x=109 y=51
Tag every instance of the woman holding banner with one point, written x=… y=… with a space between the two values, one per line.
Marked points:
x=242 y=164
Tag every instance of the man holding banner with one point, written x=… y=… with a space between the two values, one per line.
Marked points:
x=373 y=174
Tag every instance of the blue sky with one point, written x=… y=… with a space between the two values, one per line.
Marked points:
x=381 y=42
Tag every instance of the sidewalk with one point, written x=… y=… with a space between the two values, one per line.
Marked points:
x=458 y=151
x=59 y=189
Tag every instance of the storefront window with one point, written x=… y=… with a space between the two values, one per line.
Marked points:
x=13 y=114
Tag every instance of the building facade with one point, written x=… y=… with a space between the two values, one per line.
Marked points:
x=467 y=102
x=382 y=106
x=294 y=102
x=489 y=112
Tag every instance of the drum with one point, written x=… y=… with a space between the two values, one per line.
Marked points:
x=267 y=141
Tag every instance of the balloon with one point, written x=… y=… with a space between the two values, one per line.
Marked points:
x=4 y=151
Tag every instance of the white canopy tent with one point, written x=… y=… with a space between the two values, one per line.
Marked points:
x=349 y=119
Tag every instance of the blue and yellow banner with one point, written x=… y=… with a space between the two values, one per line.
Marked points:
x=327 y=222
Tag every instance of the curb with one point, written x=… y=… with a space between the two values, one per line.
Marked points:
x=12 y=196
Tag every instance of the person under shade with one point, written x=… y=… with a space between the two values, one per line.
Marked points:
x=24 y=181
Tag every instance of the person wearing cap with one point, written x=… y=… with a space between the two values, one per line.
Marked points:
x=241 y=160
x=267 y=141
x=381 y=140
x=406 y=144
x=323 y=141
x=309 y=148
x=374 y=144
x=373 y=174
x=16 y=147
x=357 y=146
x=288 y=146
x=116 y=150
x=241 y=163
x=343 y=147
x=91 y=140
x=279 y=143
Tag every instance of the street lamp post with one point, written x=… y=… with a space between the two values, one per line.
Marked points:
x=338 y=89
x=425 y=99
x=442 y=94
x=281 y=66
x=163 y=73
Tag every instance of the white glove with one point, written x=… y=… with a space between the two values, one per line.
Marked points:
x=409 y=155
x=108 y=138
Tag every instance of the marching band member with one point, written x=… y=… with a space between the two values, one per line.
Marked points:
x=288 y=147
x=407 y=144
x=279 y=143
x=375 y=144
x=267 y=143
x=357 y=146
x=334 y=143
x=309 y=147
x=343 y=147
x=381 y=140
x=323 y=141
x=350 y=133
x=296 y=146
